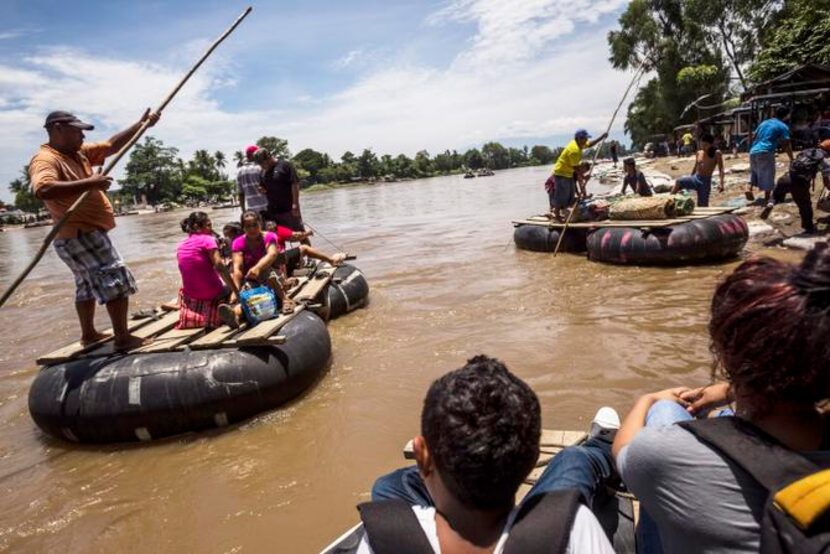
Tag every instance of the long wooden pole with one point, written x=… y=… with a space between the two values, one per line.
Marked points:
x=57 y=227
x=637 y=75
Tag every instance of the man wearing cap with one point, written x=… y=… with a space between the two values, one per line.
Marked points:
x=60 y=173
x=251 y=193
x=282 y=188
x=566 y=165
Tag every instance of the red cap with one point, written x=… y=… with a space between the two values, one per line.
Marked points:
x=249 y=152
x=825 y=145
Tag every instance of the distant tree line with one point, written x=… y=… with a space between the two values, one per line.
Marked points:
x=156 y=174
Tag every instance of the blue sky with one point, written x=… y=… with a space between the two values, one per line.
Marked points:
x=335 y=76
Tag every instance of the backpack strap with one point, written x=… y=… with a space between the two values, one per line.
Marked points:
x=392 y=528
x=543 y=524
x=768 y=461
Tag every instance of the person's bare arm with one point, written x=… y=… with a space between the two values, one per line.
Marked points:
x=222 y=269
x=788 y=148
x=118 y=140
x=636 y=418
x=721 y=171
x=597 y=140
x=57 y=189
x=301 y=235
x=266 y=261
x=694 y=167
x=708 y=397
x=237 y=269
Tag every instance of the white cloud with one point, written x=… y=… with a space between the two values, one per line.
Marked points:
x=530 y=70
x=348 y=59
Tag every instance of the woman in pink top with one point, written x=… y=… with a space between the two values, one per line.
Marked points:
x=203 y=273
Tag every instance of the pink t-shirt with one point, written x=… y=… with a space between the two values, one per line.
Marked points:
x=200 y=280
x=252 y=255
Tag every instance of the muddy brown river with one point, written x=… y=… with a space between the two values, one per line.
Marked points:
x=446 y=283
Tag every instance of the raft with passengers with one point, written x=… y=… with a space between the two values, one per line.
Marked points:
x=646 y=229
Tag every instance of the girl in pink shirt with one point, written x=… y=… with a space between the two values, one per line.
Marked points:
x=206 y=282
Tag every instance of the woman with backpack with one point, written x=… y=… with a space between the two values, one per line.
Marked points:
x=706 y=485
x=799 y=180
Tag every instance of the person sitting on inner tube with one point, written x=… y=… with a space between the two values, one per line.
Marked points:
x=696 y=497
x=706 y=159
x=635 y=179
x=203 y=272
x=254 y=261
x=294 y=256
x=480 y=434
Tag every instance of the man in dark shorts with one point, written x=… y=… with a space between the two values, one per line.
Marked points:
x=282 y=188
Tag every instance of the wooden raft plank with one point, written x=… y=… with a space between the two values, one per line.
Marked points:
x=147 y=331
x=216 y=337
x=315 y=285
x=170 y=340
x=71 y=350
x=599 y=224
x=259 y=333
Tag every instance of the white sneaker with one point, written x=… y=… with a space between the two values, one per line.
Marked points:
x=605 y=424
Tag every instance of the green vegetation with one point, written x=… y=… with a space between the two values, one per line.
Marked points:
x=24 y=199
x=711 y=48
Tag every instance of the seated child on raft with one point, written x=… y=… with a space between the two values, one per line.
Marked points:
x=206 y=282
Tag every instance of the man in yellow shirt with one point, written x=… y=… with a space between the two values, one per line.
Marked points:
x=564 y=190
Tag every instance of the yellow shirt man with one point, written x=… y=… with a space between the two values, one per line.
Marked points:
x=687 y=139
x=568 y=160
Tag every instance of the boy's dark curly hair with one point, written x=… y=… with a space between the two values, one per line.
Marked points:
x=770 y=330
x=482 y=424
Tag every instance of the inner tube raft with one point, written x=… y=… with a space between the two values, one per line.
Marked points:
x=539 y=238
x=347 y=291
x=121 y=398
x=714 y=238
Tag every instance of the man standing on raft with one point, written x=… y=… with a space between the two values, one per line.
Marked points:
x=60 y=173
x=564 y=193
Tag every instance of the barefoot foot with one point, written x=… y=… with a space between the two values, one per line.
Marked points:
x=92 y=339
x=130 y=342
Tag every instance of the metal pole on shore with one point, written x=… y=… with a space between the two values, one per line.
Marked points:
x=57 y=227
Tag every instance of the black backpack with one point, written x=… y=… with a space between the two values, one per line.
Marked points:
x=796 y=516
x=807 y=163
x=542 y=526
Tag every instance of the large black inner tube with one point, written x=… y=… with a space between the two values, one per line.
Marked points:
x=348 y=291
x=543 y=239
x=148 y=396
x=713 y=238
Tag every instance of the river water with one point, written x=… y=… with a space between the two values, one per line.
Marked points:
x=446 y=283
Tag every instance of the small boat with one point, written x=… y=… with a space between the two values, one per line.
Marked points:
x=469 y=175
x=485 y=172
x=193 y=379
x=616 y=510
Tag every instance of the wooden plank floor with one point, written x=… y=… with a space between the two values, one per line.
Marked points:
x=699 y=213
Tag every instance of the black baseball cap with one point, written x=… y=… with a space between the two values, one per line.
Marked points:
x=67 y=119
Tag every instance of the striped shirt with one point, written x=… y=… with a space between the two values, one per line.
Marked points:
x=247 y=183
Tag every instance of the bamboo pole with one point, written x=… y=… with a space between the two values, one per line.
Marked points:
x=111 y=164
x=637 y=76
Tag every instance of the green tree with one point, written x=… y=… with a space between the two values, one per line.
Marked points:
x=799 y=36
x=495 y=156
x=24 y=198
x=405 y=167
x=443 y=163
x=422 y=163
x=517 y=157
x=473 y=159
x=153 y=170
x=194 y=188
x=276 y=146
x=542 y=154
x=239 y=158
x=221 y=161
x=368 y=166
x=311 y=161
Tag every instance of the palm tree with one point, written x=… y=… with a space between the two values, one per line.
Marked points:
x=220 y=161
x=239 y=158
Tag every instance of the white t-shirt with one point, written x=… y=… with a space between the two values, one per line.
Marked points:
x=587 y=535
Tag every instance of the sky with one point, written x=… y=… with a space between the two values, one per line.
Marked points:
x=396 y=77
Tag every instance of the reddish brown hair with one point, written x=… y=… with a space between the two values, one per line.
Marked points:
x=770 y=330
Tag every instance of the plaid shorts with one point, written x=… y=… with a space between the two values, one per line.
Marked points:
x=194 y=313
x=99 y=271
